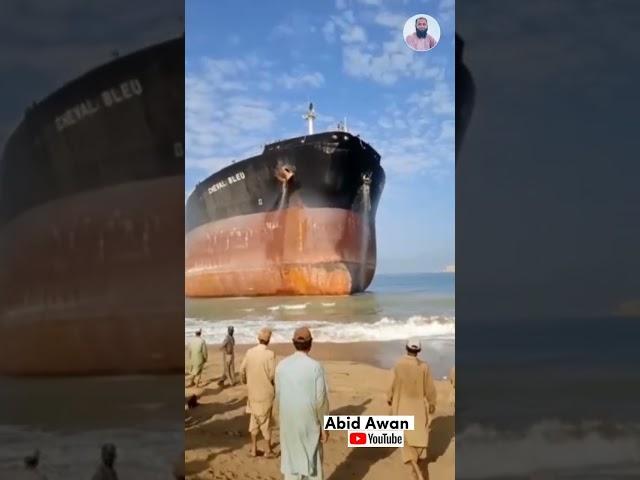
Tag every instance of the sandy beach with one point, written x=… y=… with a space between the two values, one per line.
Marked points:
x=217 y=440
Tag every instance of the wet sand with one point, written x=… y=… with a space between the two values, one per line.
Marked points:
x=440 y=354
x=217 y=440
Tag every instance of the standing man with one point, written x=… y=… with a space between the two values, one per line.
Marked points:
x=228 y=358
x=421 y=40
x=258 y=371
x=301 y=396
x=106 y=470
x=197 y=357
x=413 y=392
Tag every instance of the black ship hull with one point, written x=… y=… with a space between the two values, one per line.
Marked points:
x=299 y=219
x=91 y=188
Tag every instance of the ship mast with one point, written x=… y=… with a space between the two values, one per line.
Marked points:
x=310 y=117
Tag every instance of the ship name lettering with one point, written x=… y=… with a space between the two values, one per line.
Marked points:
x=122 y=92
x=111 y=96
x=217 y=186
x=76 y=113
x=236 y=178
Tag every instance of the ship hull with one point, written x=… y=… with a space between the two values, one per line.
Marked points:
x=293 y=251
x=92 y=223
x=91 y=283
x=299 y=219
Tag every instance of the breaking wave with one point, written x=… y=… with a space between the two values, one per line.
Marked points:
x=385 y=329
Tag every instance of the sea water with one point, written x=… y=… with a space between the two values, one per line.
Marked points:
x=394 y=308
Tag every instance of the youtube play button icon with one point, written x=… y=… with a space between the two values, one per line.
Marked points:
x=357 y=438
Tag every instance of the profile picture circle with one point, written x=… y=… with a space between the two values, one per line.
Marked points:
x=421 y=32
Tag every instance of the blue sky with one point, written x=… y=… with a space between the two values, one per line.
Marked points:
x=252 y=71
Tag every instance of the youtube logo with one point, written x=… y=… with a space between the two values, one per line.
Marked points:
x=375 y=438
x=357 y=438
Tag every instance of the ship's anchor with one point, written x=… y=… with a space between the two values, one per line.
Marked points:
x=285 y=172
x=365 y=192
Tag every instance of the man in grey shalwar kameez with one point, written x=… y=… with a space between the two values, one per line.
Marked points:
x=301 y=396
x=228 y=359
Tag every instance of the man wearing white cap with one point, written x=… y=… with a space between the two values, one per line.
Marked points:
x=258 y=370
x=413 y=392
x=197 y=357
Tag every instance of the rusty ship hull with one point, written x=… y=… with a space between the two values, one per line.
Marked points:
x=91 y=223
x=299 y=219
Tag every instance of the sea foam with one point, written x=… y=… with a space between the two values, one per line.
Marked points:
x=385 y=329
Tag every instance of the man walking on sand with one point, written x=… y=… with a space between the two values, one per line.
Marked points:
x=301 y=396
x=258 y=371
x=413 y=392
x=228 y=358
x=197 y=358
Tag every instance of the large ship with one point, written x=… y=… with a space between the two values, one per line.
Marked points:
x=298 y=219
x=91 y=222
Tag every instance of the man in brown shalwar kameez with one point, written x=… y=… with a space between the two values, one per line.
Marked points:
x=258 y=370
x=413 y=392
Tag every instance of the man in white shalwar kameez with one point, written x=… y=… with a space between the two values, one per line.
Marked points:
x=301 y=396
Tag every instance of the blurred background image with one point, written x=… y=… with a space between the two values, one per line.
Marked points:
x=91 y=221
x=547 y=235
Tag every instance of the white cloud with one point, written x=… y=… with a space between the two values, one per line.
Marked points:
x=393 y=62
x=227 y=119
x=391 y=20
x=315 y=79
x=355 y=34
x=449 y=269
x=227 y=114
x=384 y=64
x=446 y=12
x=385 y=123
x=412 y=140
x=329 y=31
x=436 y=99
x=285 y=29
x=447 y=5
x=414 y=135
x=222 y=120
x=295 y=24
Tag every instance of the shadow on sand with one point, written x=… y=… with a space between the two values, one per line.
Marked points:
x=441 y=433
x=205 y=411
x=359 y=460
x=227 y=434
